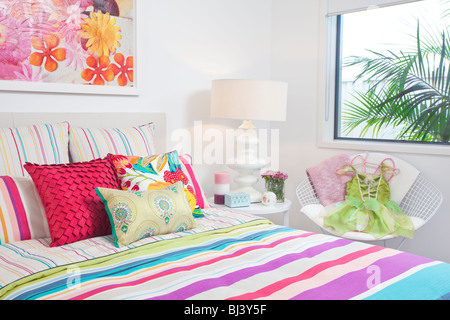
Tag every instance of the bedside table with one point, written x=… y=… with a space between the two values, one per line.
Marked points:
x=258 y=209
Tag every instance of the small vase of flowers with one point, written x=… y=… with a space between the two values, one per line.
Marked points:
x=275 y=183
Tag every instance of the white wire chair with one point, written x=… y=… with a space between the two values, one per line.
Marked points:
x=420 y=203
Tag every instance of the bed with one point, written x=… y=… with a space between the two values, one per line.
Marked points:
x=213 y=254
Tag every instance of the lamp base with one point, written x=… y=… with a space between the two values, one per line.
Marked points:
x=247 y=161
x=245 y=179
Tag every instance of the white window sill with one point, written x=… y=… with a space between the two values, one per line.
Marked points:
x=381 y=146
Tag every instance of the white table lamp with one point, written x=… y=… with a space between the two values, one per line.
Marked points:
x=248 y=100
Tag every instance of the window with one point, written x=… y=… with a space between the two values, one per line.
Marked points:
x=392 y=72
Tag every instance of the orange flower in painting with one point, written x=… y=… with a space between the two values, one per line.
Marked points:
x=124 y=69
x=49 y=52
x=57 y=3
x=99 y=70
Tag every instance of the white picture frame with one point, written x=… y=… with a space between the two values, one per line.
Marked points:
x=110 y=88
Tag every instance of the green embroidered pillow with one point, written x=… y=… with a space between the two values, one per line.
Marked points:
x=137 y=215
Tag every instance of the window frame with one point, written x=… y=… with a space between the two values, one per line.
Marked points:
x=326 y=135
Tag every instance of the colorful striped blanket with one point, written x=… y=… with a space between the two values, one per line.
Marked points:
x=229 y=256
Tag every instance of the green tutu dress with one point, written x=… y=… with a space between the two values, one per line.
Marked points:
x=367 y=208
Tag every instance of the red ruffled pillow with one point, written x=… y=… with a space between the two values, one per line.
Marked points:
x=74 y=211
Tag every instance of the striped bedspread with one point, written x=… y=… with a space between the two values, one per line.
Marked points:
x=229 y=256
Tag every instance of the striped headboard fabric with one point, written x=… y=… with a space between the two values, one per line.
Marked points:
x=42 y=143
x=91 y=143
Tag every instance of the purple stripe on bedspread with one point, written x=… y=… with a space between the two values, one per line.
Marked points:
x=233 y=277
x=445 y=297
x=357 y=282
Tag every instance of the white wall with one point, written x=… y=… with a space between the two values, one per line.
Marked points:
x=295 y=52
x=186 y=44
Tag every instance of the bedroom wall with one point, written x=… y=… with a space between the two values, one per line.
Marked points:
x=295 y=45
x=186 y=44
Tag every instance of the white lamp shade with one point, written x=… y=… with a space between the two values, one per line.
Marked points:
x=249 y=100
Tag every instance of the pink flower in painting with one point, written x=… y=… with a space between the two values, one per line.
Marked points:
x=70 y=22
x=86 y=3
x=24 y=9
x=42 y=24
x=8 y=70
x=14 y=45
x=29 y=74
x=14 y=39
x=75 y=55
x=75 y=16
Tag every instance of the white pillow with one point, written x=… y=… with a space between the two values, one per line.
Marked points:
x=34 y=208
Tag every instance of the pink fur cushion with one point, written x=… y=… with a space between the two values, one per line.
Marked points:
x=329 y=186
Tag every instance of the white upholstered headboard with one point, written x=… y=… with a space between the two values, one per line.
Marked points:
x=92 y=120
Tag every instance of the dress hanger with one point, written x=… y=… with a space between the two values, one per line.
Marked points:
x=389 y=171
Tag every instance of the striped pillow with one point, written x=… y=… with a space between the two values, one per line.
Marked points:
x=43 y=144
x=92 y=143
x=22 y=214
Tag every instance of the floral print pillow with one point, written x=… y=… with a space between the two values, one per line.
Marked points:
x=142 y=173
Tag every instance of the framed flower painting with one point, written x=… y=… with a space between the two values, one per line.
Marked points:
x=78 y=46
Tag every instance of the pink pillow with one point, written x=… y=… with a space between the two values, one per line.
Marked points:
x=186 y=162
x=74 y=211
